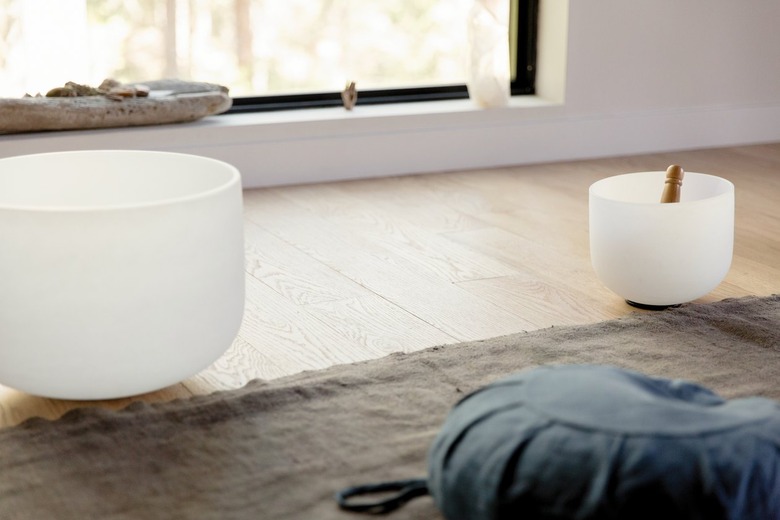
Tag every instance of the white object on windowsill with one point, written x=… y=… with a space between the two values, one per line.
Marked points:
x=488 y=66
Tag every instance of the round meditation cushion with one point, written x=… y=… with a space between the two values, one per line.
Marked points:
x=598 y=442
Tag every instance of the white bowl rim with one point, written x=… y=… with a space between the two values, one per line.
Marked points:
x=235 y=178
x=727 y=183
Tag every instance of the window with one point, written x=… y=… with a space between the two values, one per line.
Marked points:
x=272 y=54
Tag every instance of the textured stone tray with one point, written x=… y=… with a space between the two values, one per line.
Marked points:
x=170 y=101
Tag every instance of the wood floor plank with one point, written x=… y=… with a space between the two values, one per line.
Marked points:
x=292 y=273
x=534 y=258
x=380 y=325
x=544 y=303
x=401 y=282
x=416 y=244
x=413 y=199
x=290 y=336
x=235 y=368
x=753 y=277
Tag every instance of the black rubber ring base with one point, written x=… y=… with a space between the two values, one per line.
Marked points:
x=648 y=307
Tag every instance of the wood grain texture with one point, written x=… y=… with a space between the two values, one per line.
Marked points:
x=352 y=271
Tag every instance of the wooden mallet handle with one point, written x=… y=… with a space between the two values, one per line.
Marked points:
x=674 y=179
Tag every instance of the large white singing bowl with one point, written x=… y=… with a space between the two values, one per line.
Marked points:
x=655 y=254
x=121 y=272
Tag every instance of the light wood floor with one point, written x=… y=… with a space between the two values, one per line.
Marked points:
x=355 y=270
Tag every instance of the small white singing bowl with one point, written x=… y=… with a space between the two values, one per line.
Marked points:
x=654 y=254
x=121 y=272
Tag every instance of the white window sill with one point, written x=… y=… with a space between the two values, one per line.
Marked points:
x=425 y=108
x=310 y=145
x=322 y=145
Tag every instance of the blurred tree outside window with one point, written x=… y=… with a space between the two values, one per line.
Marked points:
x=254 y=47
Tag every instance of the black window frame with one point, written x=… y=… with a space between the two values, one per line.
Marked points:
x=523 y=41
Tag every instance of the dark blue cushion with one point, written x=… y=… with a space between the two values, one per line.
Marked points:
x=596 y=442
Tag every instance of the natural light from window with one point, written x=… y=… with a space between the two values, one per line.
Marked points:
x=255 y=47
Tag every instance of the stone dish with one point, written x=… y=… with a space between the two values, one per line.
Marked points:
x=169 y=101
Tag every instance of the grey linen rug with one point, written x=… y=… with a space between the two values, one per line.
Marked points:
x=279 y=449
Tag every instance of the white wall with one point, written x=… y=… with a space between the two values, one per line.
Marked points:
x=640 y=76
x=669 y=54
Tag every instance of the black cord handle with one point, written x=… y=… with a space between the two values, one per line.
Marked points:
x=406 y=490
